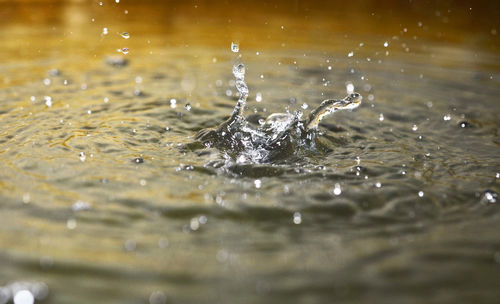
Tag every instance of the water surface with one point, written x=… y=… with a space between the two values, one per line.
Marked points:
x=101 y=201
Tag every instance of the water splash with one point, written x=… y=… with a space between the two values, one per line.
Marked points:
x=279 y=136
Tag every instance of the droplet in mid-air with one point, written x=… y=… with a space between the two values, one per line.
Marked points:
x=235 y=47
x=124 y=50
x=125 y=35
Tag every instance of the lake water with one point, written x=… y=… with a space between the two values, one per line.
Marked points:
x=101 y=202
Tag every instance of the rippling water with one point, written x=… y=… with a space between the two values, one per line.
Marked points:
x=101 y=201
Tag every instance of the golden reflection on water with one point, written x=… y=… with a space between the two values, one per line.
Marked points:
x=188 y=38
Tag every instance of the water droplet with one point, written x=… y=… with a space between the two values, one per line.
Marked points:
x=48 y=101
x=82 y=156
x=235 y=47
x=124 y=50
x=447 y=117
x=297 y=218
x=490 y=196
x=138 y=160
x=239 y=71
x=80 y=206
x=258 y=97
x=257 y=183
x=24 y=297
x=350 y=88
x=464 y=124
x=125 y=35
x=173 y=103
x=117 y=1
x=337 y=190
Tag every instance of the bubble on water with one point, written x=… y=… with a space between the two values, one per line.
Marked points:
x=330 y=67
x=378 y=184
x=381 y=117
x=105 y=31
x=46 y=81
x=490 y=196
x=239 y=71
x=414 y=128
x=304 y=106
x=143 y=182
x=229 y=93
x=497 y=175
x=33 y=98
x=188 y=107
x=235 y=47
x=350 y=54
x=257 y=183
x=386 y=44
x=82 y=156
x=24 y=297
x=297 y=218
x=447 y=117
x=337 y=190
x=157 y=297
x=26 y=198
x=261 y=76
x=421 y=193
x=125 y=35
x=48 y=101
x=258 y=97
x=117 y=1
